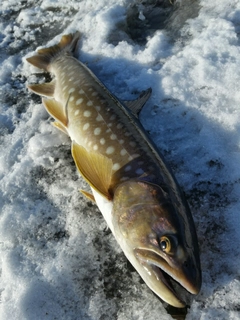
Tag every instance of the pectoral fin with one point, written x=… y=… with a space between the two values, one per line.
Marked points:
x=94 y=167
x=88 y=195
x=57 y=111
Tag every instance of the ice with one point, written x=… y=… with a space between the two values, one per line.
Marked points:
x=58 y=259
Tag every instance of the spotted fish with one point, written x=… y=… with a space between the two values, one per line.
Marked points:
x=130 y=181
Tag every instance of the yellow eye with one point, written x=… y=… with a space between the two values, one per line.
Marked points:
x=165 y=244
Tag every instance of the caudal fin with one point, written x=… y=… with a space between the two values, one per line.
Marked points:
x=45 y=56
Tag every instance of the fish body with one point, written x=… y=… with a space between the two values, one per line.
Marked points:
x=131 y=183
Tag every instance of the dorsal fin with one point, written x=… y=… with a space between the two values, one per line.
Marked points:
x=135 y=106
x=94 y=167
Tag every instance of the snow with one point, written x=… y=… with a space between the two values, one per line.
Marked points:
x=58 y=259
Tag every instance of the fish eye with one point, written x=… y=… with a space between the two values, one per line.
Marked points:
x=165 y=244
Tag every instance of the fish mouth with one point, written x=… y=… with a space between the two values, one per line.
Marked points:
x=173 y=285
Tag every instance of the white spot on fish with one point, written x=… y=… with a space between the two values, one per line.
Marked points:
x=110 y=150
x=123 y=152
x=71 y=98
x=71 y=90
x=79 y=101
x=119 y=126
x=95 y=147
x=94 y=93
x=124 y=178
x=113 y=137
x=81 y=91
x=136 y=155
x=102 y=141
x=86 y=126
x=89 y=103
x=139 y=171
x=76 y=112
x=98 y=108
x=113 y=117
x=99 y=118
x=128 y=168
x=132 y=143
x=97 y=131
x=87 y=113
x=116 y=166
x=121 y=141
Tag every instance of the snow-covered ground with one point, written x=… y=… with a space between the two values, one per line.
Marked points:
x=58 y=260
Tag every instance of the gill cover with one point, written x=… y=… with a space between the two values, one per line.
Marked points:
x=153 y=238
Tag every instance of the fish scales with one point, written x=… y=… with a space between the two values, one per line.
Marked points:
x=101 y=125
x=130 y=181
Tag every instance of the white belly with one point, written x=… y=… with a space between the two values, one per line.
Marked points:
x=105 y=206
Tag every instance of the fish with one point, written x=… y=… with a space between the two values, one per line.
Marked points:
x=131 y=183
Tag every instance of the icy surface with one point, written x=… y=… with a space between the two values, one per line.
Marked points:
x=58 y=260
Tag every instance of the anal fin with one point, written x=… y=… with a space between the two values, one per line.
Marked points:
x=94 y=167
x=43 y=89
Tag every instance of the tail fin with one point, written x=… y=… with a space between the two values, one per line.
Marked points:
x=45 y=56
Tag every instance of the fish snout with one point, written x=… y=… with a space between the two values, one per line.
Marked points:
x=192 y=274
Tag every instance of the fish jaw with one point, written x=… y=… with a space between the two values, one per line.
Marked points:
x=173 y=277
x=156 y=280
x=144 y=220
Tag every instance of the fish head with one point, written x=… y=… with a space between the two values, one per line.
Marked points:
x=156 y=240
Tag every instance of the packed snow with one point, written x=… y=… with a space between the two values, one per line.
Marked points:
x=58 y=258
